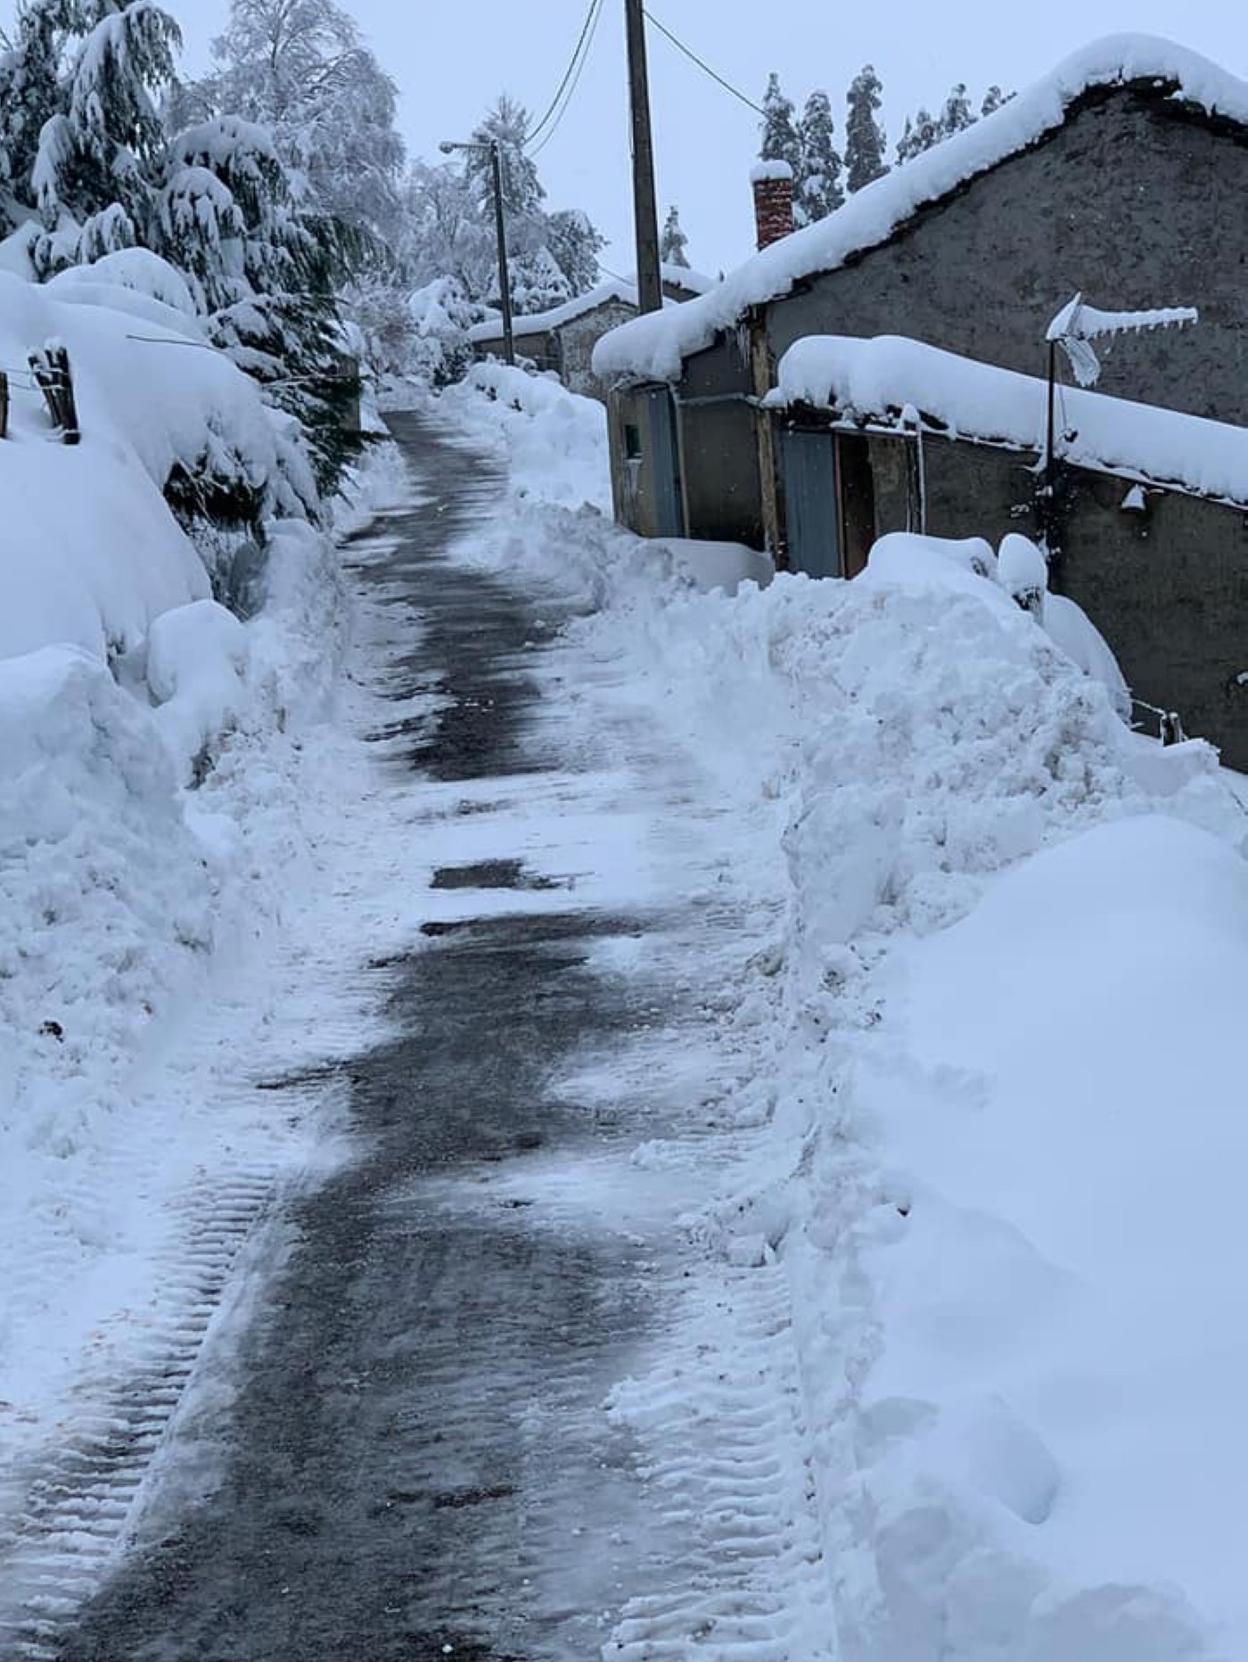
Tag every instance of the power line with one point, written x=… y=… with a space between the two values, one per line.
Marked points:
x=592 y=22
x=705 y=67
x=595 y=7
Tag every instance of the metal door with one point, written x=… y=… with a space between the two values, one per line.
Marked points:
x=811 y=510
x=669 y=510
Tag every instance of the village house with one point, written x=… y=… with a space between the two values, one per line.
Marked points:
x=1120 y=175
x=563 y=339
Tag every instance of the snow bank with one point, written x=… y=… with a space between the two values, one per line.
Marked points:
x=651 y=348
x=885 y=380
x=992 y=1039
x=102 y=891
x=555 y=441
x=98 y=555
x=1057 y=1401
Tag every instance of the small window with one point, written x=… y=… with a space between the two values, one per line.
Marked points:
x=632 y=441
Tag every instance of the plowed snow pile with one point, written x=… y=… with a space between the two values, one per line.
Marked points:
x=1002 y=1069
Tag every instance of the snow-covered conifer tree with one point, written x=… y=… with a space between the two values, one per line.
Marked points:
x=864 y=133
x=93 y=170
x=780 y=141
x=994 y=98
x=508 y=124
x=819 y=190
x=265 y=273
x=922 y=131
x=30 y=93
x=674 y=243
x=575 y=243
x=957 y=114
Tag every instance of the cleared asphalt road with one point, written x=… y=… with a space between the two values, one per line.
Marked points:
x=415 y=1463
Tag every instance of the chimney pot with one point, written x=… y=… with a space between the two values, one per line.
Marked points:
x=773 y=201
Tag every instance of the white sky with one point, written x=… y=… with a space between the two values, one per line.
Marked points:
x=451 y=59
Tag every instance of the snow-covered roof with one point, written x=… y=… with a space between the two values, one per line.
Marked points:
x=616 y=289
x=898 y=383
x=652 y=347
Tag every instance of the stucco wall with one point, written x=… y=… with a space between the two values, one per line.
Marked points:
x=1131 y=202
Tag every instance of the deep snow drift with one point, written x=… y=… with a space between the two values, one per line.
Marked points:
x=151 y=773
x=996 y=1050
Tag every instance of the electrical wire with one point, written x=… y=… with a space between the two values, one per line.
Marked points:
x=705 y=67
x=592 y=30
x=595 y=8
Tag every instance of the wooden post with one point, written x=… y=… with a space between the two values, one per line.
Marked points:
x=4 y=405
x=645 y=207
x=55 y=380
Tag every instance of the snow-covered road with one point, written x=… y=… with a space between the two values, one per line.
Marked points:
x=406 y=1434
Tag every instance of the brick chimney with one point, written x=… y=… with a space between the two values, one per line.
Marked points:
x=773 y=201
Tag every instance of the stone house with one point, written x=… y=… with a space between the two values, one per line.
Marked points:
x=1120 y=174
x=563 y=339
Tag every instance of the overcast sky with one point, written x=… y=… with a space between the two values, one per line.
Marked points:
x=451 y=57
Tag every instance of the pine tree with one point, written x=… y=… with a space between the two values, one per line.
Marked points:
x=923 y=130
x=672 y=248
x=819 y=190
x=994 y=99
x=864 y=133
x=30 y=92
x=780 y=141
x=957 y=114
x=266 y=274
x=575 y=243
x=508 y=125
x=97 y=155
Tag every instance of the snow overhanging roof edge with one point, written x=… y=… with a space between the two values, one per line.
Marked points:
x=538 y=323
x=653 y=348
x=883 y=377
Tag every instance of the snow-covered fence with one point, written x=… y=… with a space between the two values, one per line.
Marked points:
x=55 y=381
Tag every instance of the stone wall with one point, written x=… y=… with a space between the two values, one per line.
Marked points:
x=1168 y=588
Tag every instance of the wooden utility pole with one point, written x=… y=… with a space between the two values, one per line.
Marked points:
x=504 y=276
x=649 y=277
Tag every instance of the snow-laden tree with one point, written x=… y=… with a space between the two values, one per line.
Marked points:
x=92 y=171
x=537 y=284
x=922 y=131
x=957 y=114
x=575 y=244
x=994 y=98
x=507 y=124
x=300 y=68
x=443 y=232
x=675 y=242
x=266 y=273
x=30 y=93
x=819 y=190
x=864 y=132
x=780 y=141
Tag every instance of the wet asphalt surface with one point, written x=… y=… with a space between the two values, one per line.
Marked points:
x=415 y=1464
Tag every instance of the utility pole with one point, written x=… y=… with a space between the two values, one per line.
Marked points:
x=649 y=277
x=448 y=148
x=504 y=277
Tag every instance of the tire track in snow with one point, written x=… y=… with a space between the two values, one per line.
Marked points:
x=723 y=1442
x=79 y=1503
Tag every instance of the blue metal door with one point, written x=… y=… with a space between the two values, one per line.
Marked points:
x=810 y=500
x=669 y=507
